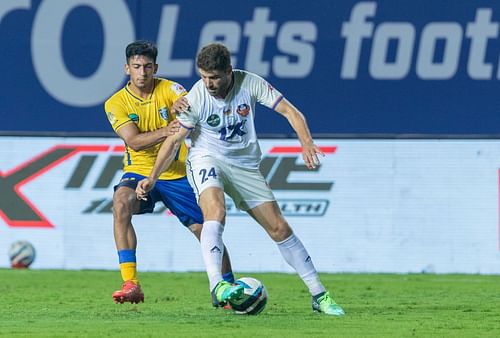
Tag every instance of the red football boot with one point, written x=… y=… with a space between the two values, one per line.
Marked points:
x=130 y=292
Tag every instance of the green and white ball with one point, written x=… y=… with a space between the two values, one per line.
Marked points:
x=254 y=298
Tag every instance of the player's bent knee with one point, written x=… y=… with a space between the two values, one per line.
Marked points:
x=122 y=208
x=280 y=232
x=215 y=213
x=213 y=208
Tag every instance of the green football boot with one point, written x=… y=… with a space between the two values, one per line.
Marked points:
x=325 y=304
x=225 y=291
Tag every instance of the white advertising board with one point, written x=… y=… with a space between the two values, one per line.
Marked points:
x=372 y=206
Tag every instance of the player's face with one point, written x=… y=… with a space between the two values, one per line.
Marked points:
x=217 y=82
x=141 y=70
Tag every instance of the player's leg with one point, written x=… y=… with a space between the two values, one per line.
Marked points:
x=227 y=270
x=269 y=216
x=206 y=176
x=251 y=193
x=125 y=204
x=212 y=204
x=179 y=197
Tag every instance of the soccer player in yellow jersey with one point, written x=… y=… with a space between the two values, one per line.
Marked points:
x=141 y=114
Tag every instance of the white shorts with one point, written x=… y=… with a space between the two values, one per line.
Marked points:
x=247 y=187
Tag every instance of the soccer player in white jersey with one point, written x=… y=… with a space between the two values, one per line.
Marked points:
x=219 y=113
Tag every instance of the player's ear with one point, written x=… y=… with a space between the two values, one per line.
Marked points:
x=229 y=69
x=155 y=69
x=127 y=69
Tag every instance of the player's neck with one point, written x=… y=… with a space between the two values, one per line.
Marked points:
x=145 y=92
x=229 y=87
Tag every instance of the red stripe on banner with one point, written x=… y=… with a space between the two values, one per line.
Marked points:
x=119 y=149
x=44 y=223
x=87 y=147
x=298 y=150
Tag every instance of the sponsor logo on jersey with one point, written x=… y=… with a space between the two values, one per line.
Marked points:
x=163 y=113
x=230 y=120
x=243 y=109
x=213 y=120
x=178 y=89
x=134 y=117
x=143 y=103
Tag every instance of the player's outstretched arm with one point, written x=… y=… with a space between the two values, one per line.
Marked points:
x=310 y=151
x=165 y=157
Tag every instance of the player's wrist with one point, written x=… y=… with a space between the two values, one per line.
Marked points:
x=152 y=179
x=307 y=143
x=164 y=132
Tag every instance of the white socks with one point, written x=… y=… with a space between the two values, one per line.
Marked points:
x=295 y=254
x=212 y=249
x=292 y=250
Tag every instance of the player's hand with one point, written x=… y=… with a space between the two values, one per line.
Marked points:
x=181 y=105
x=310 y=155
x=172 y=128
x=143 y=187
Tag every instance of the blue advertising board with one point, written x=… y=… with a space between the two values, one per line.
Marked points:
x=362 y=67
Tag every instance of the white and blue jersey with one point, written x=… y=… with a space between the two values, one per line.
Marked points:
x=224 y=128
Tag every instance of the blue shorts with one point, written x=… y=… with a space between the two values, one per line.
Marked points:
x=177 y=195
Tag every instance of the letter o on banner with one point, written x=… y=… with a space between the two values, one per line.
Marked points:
x=48 y=62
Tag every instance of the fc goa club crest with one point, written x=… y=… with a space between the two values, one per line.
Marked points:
x=243 y=109
x=163 y=113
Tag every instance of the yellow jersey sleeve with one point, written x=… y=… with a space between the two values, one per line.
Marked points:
x=116 y=112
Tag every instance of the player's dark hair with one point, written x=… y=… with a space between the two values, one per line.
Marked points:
x=214 y=56
x=141 y=47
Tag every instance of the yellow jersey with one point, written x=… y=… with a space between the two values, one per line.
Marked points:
x=125 y=107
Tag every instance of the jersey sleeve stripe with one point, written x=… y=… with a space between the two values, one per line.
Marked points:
x=277 y=101
x=122 y=124
x=183 y=125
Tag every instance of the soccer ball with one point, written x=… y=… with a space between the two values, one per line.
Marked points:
x=21 y=254
x=254 y=297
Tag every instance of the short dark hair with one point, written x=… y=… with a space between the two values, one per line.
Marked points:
x=141 y=47
x=214 y=56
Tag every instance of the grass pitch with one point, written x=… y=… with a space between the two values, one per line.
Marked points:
x=42 y=303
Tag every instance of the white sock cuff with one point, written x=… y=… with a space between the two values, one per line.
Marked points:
x=214 y=226
x=289 y=242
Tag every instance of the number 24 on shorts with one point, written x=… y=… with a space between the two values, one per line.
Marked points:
x=204 y=176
